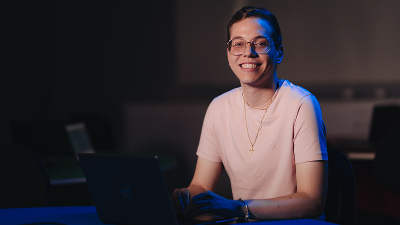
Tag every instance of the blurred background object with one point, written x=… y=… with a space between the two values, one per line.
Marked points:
x=386 y=163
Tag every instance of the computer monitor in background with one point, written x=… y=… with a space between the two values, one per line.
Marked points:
x=384 y=118
x=79 y=138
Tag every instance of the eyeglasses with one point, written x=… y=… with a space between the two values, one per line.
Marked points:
x=260 y=45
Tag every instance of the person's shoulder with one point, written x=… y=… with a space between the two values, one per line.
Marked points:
x=224 y=102
x=294 y=92
x=228 y=97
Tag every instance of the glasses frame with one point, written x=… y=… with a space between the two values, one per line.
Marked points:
x=271 y=43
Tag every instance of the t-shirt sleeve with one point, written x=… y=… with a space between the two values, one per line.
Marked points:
x=208 y=148
x=309 y=132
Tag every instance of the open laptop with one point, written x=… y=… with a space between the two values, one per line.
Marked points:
x=131 y=190
x=79 y=138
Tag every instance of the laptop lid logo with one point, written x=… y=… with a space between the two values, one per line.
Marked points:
x=126 y=191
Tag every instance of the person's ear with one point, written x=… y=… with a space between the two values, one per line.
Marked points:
x=279 y=54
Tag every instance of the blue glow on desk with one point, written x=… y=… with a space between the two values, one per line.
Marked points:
x=81 y=215
x=61 y=215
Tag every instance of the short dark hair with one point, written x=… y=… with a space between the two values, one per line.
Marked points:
x=258 y=12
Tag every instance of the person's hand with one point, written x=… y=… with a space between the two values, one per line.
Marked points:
x=180 y=199
x=209 y=202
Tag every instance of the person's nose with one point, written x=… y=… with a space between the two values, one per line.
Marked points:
x=249 y=51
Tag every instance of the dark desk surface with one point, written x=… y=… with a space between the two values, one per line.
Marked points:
x=87 y=215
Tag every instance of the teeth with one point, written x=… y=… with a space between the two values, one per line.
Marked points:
x=247 y=65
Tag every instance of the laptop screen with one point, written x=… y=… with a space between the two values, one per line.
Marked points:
x=79 y=138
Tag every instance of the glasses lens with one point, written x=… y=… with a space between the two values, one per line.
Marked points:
x=237 y=46
x=261 y=45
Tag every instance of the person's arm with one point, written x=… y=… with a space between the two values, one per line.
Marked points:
x=205 y=178
x=307 y=202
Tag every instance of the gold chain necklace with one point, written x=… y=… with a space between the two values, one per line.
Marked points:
x=259 y=128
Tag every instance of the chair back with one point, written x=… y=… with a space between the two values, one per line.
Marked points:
x=24 y=179
x=384 y=118
x=386 y=162
x=340 y=204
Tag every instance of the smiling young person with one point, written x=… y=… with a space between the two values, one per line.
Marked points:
x=268 y=134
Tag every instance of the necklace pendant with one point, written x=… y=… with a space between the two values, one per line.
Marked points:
x=251 y=151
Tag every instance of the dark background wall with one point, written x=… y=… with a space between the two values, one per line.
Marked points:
x=26 y=68
x=66 y=57
x=326 y=43
x=62 y=58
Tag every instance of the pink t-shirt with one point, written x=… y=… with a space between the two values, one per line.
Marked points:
x=292 y=132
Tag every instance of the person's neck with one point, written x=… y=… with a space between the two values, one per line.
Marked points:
x=259 y=96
